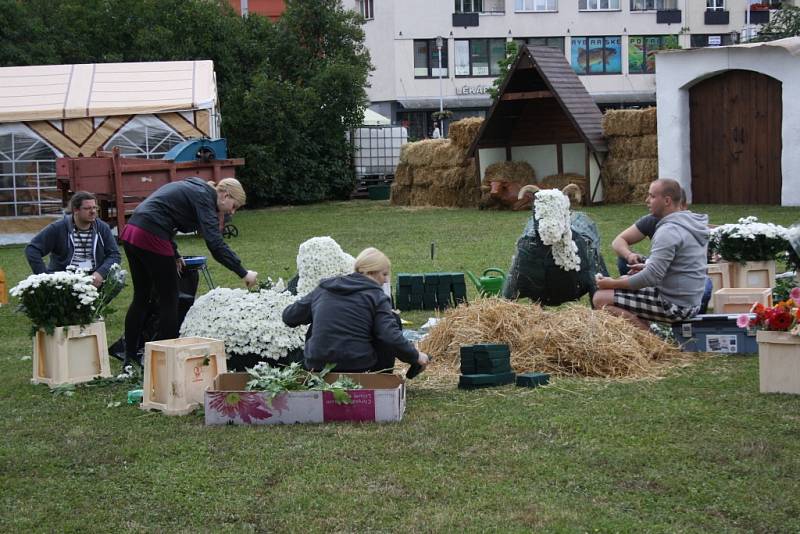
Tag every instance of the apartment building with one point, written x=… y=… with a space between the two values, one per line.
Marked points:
x=609 y=44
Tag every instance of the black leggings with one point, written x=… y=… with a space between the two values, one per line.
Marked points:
x=152 y=274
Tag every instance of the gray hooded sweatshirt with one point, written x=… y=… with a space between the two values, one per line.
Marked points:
x=677 y=262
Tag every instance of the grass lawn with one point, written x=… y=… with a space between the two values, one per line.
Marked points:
x=700 y=450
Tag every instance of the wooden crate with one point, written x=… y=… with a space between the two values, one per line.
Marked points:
x=178 y=371
x=778 y=362
x=71 y=355
x=753 y=274
x=741 y=299
x=720 y=275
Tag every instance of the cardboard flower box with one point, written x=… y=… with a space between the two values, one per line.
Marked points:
x=720 y=275
x=227 y=402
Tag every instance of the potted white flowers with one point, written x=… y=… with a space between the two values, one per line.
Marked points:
x=69 y=336
x=751 y=248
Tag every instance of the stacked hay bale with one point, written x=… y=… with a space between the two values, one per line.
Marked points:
x=436 y=172
x=632 y=161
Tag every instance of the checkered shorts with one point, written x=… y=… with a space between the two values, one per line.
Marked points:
x=647 y=303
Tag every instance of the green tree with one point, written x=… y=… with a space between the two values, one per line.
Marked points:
x=289 y=91
x=505 y=68
x=782 y=23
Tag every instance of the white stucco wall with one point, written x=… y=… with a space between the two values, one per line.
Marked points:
x=679 y=70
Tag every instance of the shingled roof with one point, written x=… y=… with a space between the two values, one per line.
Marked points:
x=544 y=91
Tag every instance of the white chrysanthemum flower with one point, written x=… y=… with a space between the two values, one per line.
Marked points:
x=318 y=258
x=551 y=210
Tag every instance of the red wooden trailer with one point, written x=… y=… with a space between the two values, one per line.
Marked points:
x=121 y=184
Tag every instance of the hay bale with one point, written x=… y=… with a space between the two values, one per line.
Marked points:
x=614 y=171
x=419 y=196
x=439 y=195
x=510 y=171
x=649 y=123
x=404 y=174
x=448 y=154
x=463 y=132
x=622 y=122
x=617 y=193
x=642 y=171
x=639 y=193
x=420 y=153
x=569 y=341
x=425 y=176
x=400 y=195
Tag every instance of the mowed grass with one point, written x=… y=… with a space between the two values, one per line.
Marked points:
x=700 y=450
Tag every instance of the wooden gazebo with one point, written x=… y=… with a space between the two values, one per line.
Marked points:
x=545 y=116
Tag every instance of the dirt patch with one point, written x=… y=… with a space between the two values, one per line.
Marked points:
x=25 y=225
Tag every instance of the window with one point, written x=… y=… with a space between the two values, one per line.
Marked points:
x=700 y=40
x=641 y=51
x=654 y=5
x=596 y=55
x=27 y=175
x=715 y=5
x=367 y=9
x=469 y=6
x=536 y=5
x=426 y=59
x=479 y=57
x=144 y=137
x=598 y=5
x=552 y=42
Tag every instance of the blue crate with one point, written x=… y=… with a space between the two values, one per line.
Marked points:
x=715 y=333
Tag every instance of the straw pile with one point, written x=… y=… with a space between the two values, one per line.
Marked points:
x=632 y=161
x=570 y=341
x=510 y=171
x=436 y=172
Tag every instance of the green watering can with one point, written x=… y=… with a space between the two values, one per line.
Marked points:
x=489 y=285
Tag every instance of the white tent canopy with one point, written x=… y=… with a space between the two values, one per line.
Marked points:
x=372 y=118
x=52 y=92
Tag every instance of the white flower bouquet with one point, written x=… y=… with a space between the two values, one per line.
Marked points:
x=51 y=300
x=318 y=258
x=551 y=210
x=749 y=240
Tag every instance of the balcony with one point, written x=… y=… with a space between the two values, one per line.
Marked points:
x=668 y=16
x=465 y=20
x=758 y=16
x=717 y=17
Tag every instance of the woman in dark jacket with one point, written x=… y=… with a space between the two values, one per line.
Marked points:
x=352 y=322
x=149 y=240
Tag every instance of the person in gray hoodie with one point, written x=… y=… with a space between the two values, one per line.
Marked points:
x=669 y=287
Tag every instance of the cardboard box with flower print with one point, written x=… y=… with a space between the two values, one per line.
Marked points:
x=227 y=402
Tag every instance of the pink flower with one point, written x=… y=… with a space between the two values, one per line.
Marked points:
x=794 y=294
x=743 y=320
x=247 y=406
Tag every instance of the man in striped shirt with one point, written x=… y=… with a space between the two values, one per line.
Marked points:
x=79 y=240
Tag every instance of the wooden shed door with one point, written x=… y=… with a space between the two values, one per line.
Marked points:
x=736 y=139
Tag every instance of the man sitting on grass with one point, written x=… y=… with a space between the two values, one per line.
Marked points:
x=669 y=287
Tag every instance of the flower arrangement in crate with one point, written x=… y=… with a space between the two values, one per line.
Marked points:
x=66 y=298
x=748 y=240
x=782 y=317
x=250 y=322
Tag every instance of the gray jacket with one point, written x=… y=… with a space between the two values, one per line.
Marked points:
x=677 y=262
x=55 y=240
